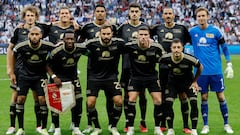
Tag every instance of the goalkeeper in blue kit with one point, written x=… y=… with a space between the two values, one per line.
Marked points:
x=207 y=41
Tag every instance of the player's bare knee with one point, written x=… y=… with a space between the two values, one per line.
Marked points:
x=220 y=96
x=204 y=96
x=157 y=100
x=21 y=99
x=41 y=100
x=117 y=100
x=35 y=96
x=182 y=96
x=91 y=102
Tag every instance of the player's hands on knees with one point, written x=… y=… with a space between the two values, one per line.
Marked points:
x=194 y=86
x=229 y=71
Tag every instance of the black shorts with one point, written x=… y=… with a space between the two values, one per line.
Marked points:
x=77 y=85
x=141 y=85
x=23 y=86
x=175 y=88
x=112 y=87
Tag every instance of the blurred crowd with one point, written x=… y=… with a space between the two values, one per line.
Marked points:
x=224 y=13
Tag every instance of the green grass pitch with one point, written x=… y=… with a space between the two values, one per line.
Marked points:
x=215 y=119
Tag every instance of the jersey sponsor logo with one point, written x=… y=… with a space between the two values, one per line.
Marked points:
x=168 y=35
x=70 y=62
x=55 y=31
x=177 y=71
x=202 y=42
x=105 y=56
x=134 y=35
x=128 y=30
x=98 y=49
x=34 y=57
x=142 y=59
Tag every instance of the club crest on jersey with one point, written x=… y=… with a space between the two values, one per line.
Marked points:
x=70 y=61
x=141 y=58
x=177 y=71
x=209 y=35
x=134 y=34
x=105 y=54
x=35 y=57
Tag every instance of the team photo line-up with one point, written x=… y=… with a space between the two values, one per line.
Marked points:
x=40 y=54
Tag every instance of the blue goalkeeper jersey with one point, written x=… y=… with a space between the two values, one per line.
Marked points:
x=206 y=45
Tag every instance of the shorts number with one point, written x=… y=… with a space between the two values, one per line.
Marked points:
x=77 y=83
x=117 y=85
x=44 y=82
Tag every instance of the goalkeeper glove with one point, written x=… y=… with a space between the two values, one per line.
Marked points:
x=229 y=71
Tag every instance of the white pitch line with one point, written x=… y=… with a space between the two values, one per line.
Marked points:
x=4 y=79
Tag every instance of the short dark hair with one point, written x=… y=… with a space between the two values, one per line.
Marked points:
x=100 y=5
x=177 y=40
x=144 y=28
x=68 y=31
x=134 y=5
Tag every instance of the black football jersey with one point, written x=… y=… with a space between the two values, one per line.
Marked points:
x=165 y=35
x=21 y=34
x=180 y=71
x=64 y=63
x=103 y=60
x=92 y=30
x=143 y=61
x=56 y=33
x=34 y=60
x=128 y=32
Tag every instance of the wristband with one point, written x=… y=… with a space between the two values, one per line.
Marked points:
x=229 y=64
x=53 y=76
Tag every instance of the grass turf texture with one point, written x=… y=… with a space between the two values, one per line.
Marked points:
x=215 y=118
